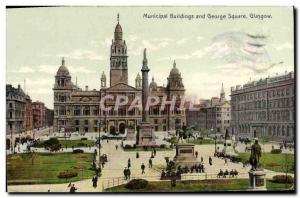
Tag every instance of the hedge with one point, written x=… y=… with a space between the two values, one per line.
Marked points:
x=137 y=184
x=67 y=174
x=283 y=179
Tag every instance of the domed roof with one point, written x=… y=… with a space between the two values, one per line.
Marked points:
x=63 y=70
x=174 y=70
x=153 y=85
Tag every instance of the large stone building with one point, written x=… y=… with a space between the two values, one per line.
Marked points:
x=80 y=110
x=266 y=106
x=213 y=114
x=15 y=111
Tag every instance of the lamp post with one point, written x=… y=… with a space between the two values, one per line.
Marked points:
x=99 y=145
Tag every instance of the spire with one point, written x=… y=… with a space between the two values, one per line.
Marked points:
x=63 y=61
x=118 y=17
x=174 y=64
x=222 y=88
x=152 y=79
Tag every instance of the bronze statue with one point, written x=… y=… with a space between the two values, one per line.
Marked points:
x=255 y=155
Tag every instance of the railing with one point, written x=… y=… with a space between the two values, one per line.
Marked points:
x=116 y=181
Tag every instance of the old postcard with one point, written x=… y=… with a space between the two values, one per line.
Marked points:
x=150 y=99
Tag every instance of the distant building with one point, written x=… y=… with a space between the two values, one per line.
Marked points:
x=15 y=112
x=266 y=106
x=28 y=114
x=213 y=114
x=39 y=115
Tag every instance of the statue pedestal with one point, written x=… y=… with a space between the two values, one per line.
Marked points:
x=146 y=135
x=257 y=180
x=130 y=134
x=185 y=155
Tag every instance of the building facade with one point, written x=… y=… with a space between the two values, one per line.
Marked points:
x=15 y=111
x=213 y=114
x=39 y=115
x=266 y=107
x=28 y=114
x=80 y=110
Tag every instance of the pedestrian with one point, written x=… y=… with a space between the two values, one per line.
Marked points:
x=154 y=152
x=196 y=153
x=226 y=163
x=107 y=140
x=102 y=163
x=150 y=163
x=143 y=168
x=73 y=189
x=116 y=147
x=125 y=173
x=201 y=159
x=210 y=160
x=137 y=155
x=95 y=180
x=128 y=173
x=129 y=163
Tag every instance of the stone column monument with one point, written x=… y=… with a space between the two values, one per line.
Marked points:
x=146 y=135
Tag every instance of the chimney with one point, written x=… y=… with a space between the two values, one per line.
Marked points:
x=86 y=88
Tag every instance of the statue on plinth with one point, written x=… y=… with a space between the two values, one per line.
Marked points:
x=255 y=155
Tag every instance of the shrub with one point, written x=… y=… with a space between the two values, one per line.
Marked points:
x=83 y=138
x=137 y=184
x=162 y=146
x=81 y=144
x=276 y=151
x=127 y=146
x=78 y=151
x=283 y=179
x=67 y=174
x=52 y=144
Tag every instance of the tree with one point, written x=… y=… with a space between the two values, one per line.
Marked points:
x=52 y=144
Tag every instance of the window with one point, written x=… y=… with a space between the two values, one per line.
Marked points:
x=156 y=128
x=155 y=121
x=76 y=122
x=10 y=114
x=10 y=105
x=95 y=122
x=164 y=128
x=86 y=122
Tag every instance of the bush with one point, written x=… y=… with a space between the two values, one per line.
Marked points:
x=276 y=151
x=127 y=146
x=283 y=179
x=67 y=174
x=162 y=146
x=52 y=144
x=84 y=139
x=78 y=151
x=137 y=184
x=81 y=144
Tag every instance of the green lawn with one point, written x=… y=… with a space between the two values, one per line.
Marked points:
x=274 y=162
x=199 y=186
x=77 y=143
x=70 y=143
x=46 y=167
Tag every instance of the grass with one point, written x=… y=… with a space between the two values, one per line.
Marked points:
x=70 y=143
x=77 y=143
x=46 y=167
x=200 y=186
x=274 y=162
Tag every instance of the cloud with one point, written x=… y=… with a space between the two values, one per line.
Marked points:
x=23 y=69
x=195 y=54
x=182 y=41
x=283 y=46
x=79 y=54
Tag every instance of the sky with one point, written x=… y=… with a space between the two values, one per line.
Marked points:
x=208 y=51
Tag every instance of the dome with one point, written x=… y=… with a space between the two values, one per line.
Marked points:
x=153 y=85
x=174 y=70
x=63 y=70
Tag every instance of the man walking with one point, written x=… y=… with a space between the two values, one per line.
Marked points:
x=143 y=168
x=95 y=180
x=150 y=163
